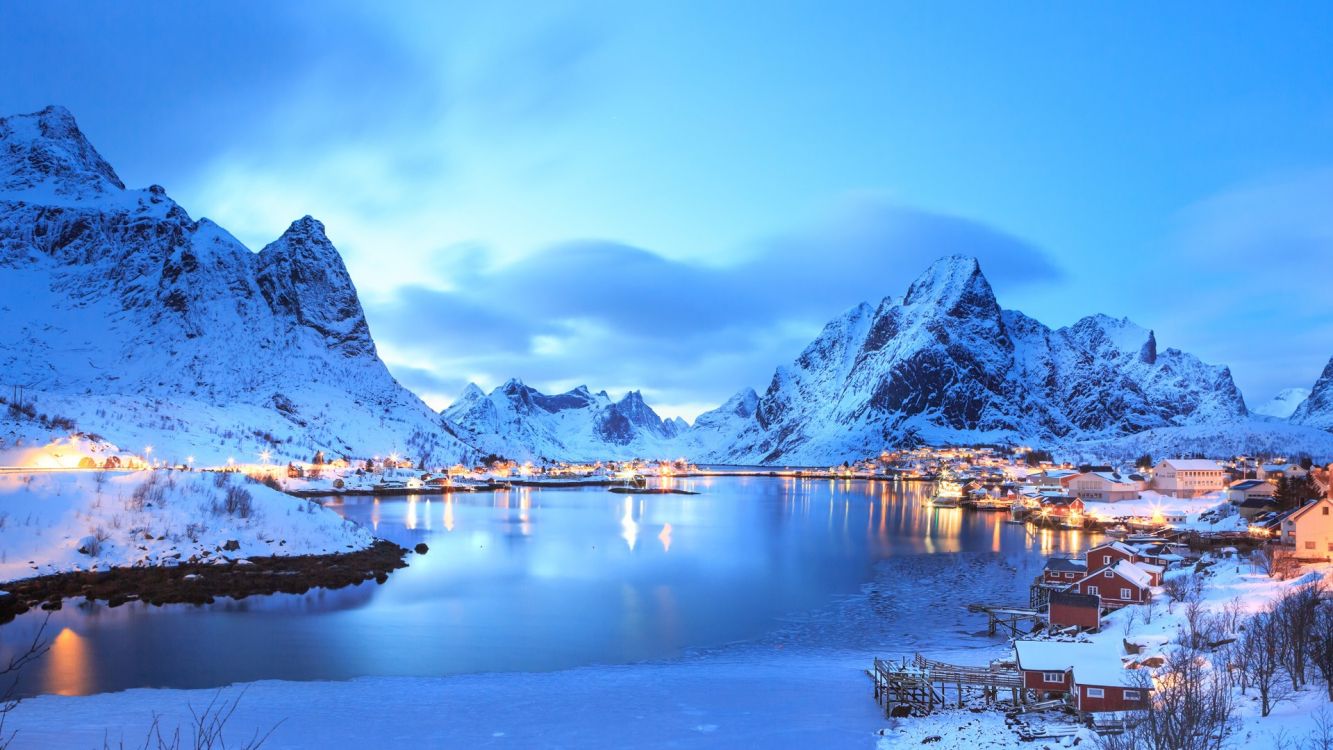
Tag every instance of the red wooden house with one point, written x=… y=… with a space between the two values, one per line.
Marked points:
x=1124 y=583
x=1070 y=609
x=1110 y=553
x=1091 y=674
x=1104 y=685
x=1063 y=570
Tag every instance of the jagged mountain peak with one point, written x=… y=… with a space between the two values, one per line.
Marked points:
x=947 y=363
x=46 y=150
x=521 y=422
x=144 y=322
x=953 y=285
x=301 y=275
x=1317 y=409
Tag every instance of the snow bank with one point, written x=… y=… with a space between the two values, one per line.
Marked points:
x=155 y=518
x=768 y=702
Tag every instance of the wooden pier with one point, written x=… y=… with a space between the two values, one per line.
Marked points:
x=917 y=687
x=1009 y=618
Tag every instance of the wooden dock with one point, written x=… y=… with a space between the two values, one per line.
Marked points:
x=1009 y=618
x=917 y=687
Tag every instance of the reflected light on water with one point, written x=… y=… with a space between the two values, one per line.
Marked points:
x=449 y=514
x=70 y=672
x=375 y=514
x=665 y=537
x=411 y=519
x=629 y=528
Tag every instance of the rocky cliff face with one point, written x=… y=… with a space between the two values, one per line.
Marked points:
x=147 y=326
x=1317 y=409
x=946 y=363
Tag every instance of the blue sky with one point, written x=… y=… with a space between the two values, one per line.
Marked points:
x=675 y=196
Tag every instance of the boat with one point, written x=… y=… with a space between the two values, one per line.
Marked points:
x=948 y=494
x=994 y=503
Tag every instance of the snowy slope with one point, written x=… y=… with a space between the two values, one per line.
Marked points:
x=1284 y=404
x=1317 y=409
x=148 y=327
x=946 y=363
x=519 y=422
x=48 y=516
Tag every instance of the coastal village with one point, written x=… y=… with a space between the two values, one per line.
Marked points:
x=1180 y=546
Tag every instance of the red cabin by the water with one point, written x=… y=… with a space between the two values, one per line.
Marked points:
x=1124 y=583
x=1063 y=571
x=1071 y=609
x=1091 y=673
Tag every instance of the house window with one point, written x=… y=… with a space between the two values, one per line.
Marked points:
x=1132 y=695
x=1108 y=574
x=1092 y=591
x=1325 y=509
x=1106 y=559
x=1058 y=677
x=1309 y=545
x=1096 y=692
x=1126 y=594
x=1069 y=575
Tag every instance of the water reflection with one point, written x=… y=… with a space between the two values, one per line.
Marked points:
x=69 y=669
x=546 y=579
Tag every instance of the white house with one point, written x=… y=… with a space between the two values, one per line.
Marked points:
x=1188 y=477
x=1310 y=530
x=1102 y=486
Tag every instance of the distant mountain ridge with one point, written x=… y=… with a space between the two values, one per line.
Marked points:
x=1284 y=404
x=520 y=422
x=151 y=328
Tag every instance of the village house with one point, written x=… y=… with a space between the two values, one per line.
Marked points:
x=1161 y=554
x=1047 y=667
x=1274 y=472
x=1093 y=675
x=1063 y=570
x=1309 y=530
x=1122 y=584
x=1102 y=486
x=1100 y=685
x=1188 y=477
x=1071 y=609
x=1250 y=489
x=1059 y=506
x=1108 y=554
x=1050 y=479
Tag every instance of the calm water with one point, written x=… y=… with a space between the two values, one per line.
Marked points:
x=531 y=580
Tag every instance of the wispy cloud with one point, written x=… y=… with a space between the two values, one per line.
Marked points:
x=617 y=316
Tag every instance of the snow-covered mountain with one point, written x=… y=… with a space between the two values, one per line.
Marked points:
x=1284 y=404
x=148 y=327
x=1317 y=409
x=946 y=363
x=519 y=422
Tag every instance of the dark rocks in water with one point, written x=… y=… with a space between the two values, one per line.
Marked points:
x=231 y=545
x=421 y=548
x=200 y=583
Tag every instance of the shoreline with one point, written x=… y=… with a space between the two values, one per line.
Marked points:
x=202 y=583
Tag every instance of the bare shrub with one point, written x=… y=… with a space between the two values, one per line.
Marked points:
x=151 y=491
x=236 y=501
x=206 y=730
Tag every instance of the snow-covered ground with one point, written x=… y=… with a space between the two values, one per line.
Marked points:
x=1211 y=512
x=153 y=518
